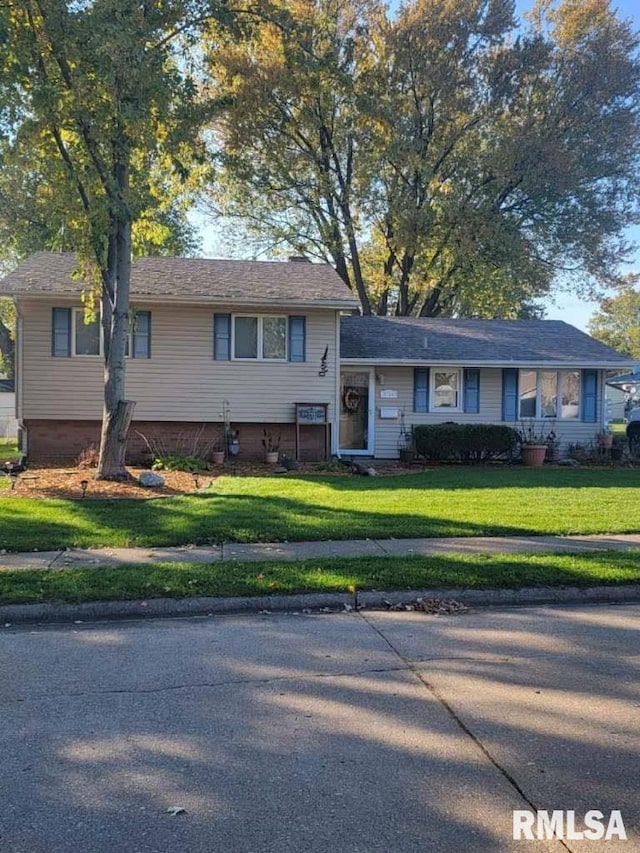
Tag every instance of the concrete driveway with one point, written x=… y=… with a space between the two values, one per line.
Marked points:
x=371 y=732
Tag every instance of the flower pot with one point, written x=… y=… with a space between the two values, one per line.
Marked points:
x=218 y=457
x=533 y=454
x=271 y=457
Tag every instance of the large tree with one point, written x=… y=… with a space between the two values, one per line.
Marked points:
x=100 y=121
x=617 y=322
x=287 y=143
x=444 y=161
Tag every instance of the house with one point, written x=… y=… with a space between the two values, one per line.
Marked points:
x=8 y=422
x=212 y=341
x=624 y=394
x=430 y=370
x=253 y=346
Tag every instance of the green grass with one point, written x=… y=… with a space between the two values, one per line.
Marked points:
x=328 y=575
x=447 y=501
x=8 y=449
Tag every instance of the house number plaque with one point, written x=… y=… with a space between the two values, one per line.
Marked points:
x=310 y=414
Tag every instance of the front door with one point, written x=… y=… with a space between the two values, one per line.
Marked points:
x=356 y=421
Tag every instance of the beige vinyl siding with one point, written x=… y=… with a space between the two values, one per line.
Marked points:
x=181 y=381
x=400 y=379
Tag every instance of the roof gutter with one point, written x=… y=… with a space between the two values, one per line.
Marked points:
x=456 y=362
x=336 y=305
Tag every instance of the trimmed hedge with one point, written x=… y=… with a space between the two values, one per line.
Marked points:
x=464 y=442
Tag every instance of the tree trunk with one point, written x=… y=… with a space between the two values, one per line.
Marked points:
x=117 y=411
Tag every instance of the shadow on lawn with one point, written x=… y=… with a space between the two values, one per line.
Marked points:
x=215 y=518
x=224 y=515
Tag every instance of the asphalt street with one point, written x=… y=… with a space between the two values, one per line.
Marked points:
x=377 y=731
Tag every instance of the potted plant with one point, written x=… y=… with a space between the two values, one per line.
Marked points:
x=533 y=443
x=271 y=444
x=217 y=452
x=553 y=448
x=605 y=439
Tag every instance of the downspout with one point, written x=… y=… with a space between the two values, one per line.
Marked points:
x=335 y=428
x=23 y=443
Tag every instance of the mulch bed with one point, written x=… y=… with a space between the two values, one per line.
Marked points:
x=67 y=482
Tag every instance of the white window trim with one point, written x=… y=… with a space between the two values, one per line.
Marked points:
x=260 y=355
x=74 y=354
x=559 y=394
x=432 y=390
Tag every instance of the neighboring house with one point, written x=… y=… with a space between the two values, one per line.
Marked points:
x=624 y=393
x=244 y=341
x=615 y=401
x=8 y=422
x=423 y=370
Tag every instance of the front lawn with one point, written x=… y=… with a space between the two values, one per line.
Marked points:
x=447 y=501
x=8 y=449
x=180 y=580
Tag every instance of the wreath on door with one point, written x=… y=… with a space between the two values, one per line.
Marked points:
x=351 y=399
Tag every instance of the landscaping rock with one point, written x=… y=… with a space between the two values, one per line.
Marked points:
x=290 y=464
x=280 y=470
x=364 y=470
x=150 y=479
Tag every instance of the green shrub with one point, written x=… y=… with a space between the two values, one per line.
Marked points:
x=177 y=462
x=464 y=442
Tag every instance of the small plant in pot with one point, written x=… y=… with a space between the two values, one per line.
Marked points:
x=217 y=451
x=271 y=444
x=605 y=439
x=534 y=443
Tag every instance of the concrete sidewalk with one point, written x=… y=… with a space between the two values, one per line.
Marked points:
x=234 y=551
x=11 y=614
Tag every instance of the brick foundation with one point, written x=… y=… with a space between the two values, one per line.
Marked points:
x=54 y=442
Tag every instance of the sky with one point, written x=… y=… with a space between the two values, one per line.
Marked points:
x=560 y=306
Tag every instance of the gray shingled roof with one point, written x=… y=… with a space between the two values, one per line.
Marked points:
x=291 y=282
x=434 y=340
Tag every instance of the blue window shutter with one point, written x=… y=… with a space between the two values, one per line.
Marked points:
x=142 y=335
x=421 y=389
x=61 y=332
x=222 y=337
x=297 y=338
x=472 y=390
x=510 y=394
x=590 y=396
